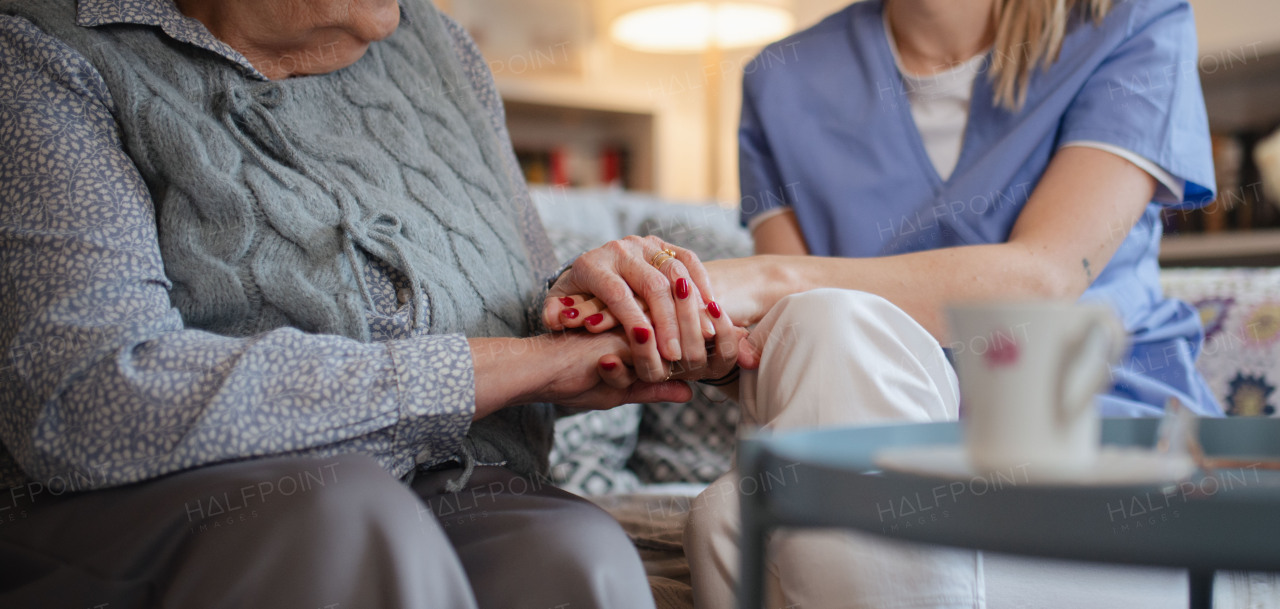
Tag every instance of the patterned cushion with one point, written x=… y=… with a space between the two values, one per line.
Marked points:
x=1240 y=309
x=591 y=449
x=691 y=442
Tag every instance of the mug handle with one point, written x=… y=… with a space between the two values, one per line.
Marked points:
x=1082 y=378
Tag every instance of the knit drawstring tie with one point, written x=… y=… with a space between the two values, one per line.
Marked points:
x=245 y=111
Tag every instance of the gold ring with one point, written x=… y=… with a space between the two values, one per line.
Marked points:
x=661 y=257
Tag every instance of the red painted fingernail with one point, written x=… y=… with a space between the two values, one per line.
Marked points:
x=595 y=319
x=682 y=288
x=570 y=313
x=641 y=334
x=609 y=365
x=566 y=301
x=713 y=309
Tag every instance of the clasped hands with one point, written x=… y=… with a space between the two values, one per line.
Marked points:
x=657 y=302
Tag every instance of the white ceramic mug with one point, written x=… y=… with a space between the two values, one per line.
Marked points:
x=1028 y=376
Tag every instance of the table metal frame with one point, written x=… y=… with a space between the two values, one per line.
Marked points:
x=1202 y=524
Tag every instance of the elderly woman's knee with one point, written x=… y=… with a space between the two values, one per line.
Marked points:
x=555 y=550
x=584 y=535
x=601 y=562
x=315 y=532
x=306 y=496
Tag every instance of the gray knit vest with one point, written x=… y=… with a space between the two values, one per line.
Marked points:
x=273 y=197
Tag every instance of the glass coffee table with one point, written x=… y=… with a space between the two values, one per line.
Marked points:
x=1204 y=523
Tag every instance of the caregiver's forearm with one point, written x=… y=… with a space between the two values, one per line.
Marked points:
x=923 y=283
x=1085 y=205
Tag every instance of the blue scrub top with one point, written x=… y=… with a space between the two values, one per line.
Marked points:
x=827 y=130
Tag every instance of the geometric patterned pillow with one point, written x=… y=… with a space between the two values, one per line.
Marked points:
x=590 y=452
x=1240 y=310
x=691 y=442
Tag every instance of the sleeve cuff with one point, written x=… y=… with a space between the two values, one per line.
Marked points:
x=759 y=218
x=435 y=381
x=534 y=314
x=1170 y=190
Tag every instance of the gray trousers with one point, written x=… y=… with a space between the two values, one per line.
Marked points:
x=337 y=533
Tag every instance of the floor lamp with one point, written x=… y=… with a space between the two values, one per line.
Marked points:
x=707 y=27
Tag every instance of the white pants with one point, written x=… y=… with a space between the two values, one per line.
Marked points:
x=836 y=357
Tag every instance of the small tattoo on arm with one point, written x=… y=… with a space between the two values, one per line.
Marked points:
x=1088 y=272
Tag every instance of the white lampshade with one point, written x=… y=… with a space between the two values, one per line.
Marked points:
x=685 y=26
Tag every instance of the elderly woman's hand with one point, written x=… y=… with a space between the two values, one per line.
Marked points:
x=637 y=274
x=722 y=355
x=572 y=369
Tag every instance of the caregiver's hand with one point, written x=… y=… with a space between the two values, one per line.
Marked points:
x=571 y=369
x=674 y=288
x=750 y=286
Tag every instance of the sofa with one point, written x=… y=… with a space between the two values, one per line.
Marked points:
x=644 y=463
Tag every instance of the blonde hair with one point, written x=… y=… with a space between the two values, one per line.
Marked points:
x=1030 y=32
